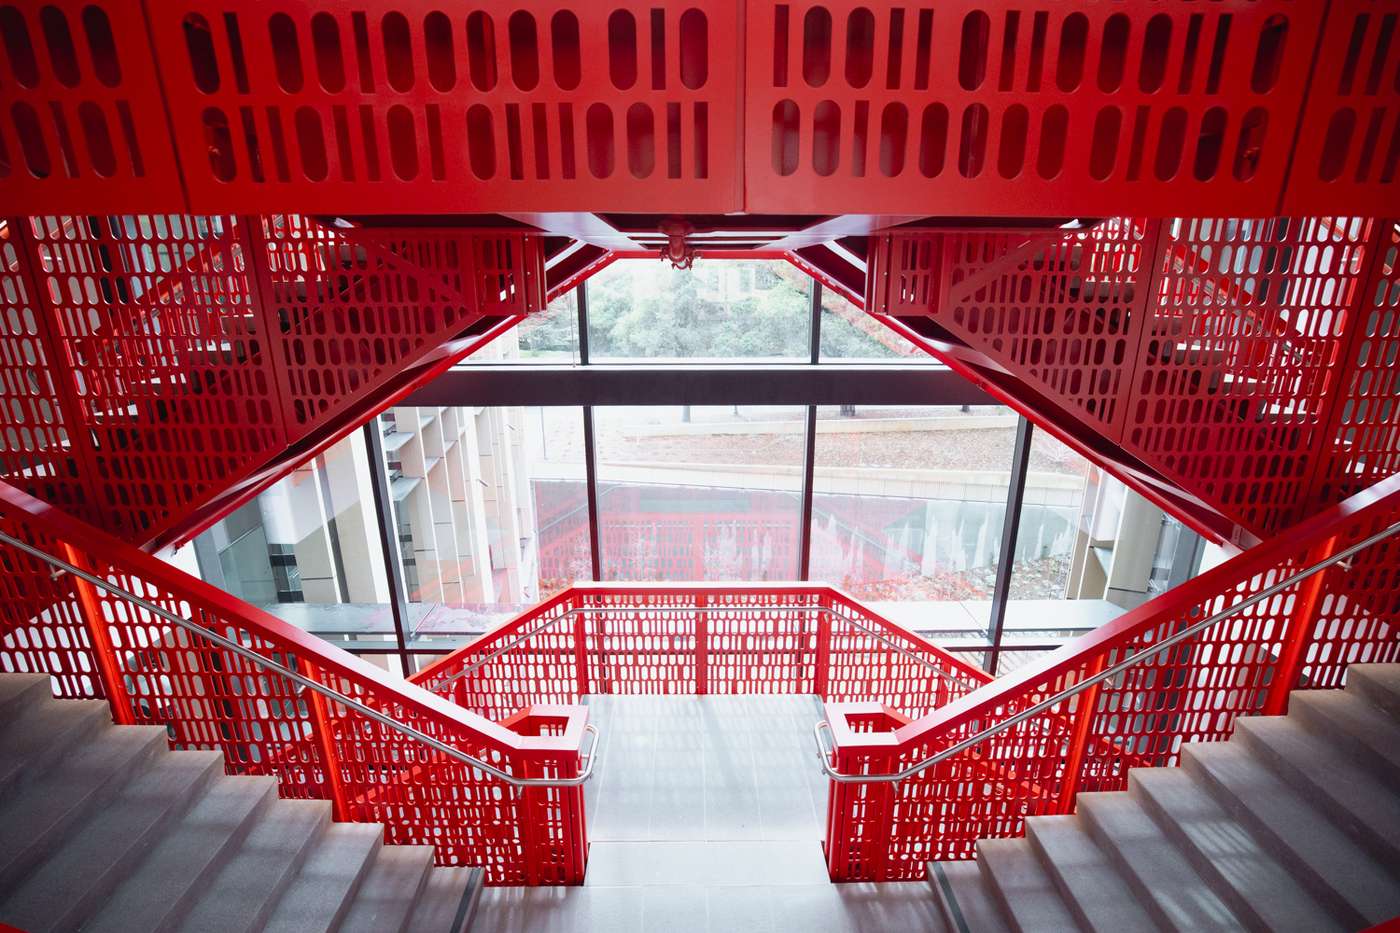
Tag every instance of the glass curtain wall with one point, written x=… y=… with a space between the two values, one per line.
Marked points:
x=485 y=510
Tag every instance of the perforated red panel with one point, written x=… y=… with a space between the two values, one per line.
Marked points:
x=1347 y=155
x=354 y=307
x=41 y=628
x=1234 y=379
x=1364 y=433
x=1056 y=108
x=152 y=363
x=159 y=341
x=431 y=108
x=43 y=451
x=873 y=660
x=82 y=122
x=1190 y=692
x=1061 y=309
x=1226 y=355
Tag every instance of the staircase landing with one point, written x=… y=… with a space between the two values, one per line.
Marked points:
x=706 y=814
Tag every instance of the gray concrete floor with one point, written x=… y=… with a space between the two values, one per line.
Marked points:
x=706 y=814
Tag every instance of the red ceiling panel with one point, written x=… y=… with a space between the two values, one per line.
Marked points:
x=421 y=108
x=81 y=121
x=1050 y=109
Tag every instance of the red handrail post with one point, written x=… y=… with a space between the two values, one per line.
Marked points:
x=324 y=738
x=104 y=655
x=823 y=667
x=702 y=646
x=580 y=644
x=1087 y=702
x=1298 y=634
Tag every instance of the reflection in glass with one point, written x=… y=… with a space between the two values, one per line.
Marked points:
x=908 y=503
x=702 y=493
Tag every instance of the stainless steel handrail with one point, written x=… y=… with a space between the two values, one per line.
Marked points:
x=578 y=610
x=304 y=681
x=825 y=751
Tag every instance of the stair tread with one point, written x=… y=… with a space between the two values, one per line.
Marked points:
x=165 y=882
x=18 y=691
x=390 y=891
x=1223 y=851
x=322 y=892
x=31 y=743
x=1164 y=880
x=1026 y=891
x=967 y=899
x=93 y=858
x=1085 y=876
x=1307 y=840
x=244 y=891
x=1378 y=684
x=448 y=900
x=38 y=816
x=1354 y=798
x=1373 y=737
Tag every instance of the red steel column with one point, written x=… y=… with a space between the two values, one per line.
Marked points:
x=820 y=677
x=580 y=645
x=702 y=646
x=1298 y=634
x=324 y=738
x=1079 y=740
x=104 y=655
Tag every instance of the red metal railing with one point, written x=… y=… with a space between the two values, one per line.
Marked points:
x=167 y=649
x=693 y=638
x=1025 y=744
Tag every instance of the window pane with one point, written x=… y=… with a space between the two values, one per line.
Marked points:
x=491 y=511
x=1050 y=519
x=851 y=335
x=308 y=550
x=908 y=506
x=642 y=309
x=548 y=337
x=703 y=493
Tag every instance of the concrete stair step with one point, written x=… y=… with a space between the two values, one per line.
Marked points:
x=1367 y=734
x=1352 y=798
x=1020 y=884
x=38 y=816
x=19 y=691
x=390 y=892
x=965 y=897
x=43 y=734
x=242 y=895
x=81 y=873
x=1256 y=887
x=1316 y=852
x=324 y=890
x=449 y=901
x=1085 y=877
x=1161 y=876
x=1377 y=684
x=163 y=886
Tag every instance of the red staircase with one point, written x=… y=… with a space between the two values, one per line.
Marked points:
x=109 y=621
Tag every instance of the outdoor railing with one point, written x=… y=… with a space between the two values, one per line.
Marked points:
x=698 y=638
x=110 y=621
x=1290 y=613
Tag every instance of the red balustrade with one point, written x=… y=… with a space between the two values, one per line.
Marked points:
x=695 y=638
x=159 y=369
x=221 y=690
x=1244 y=663
x=1233 y=370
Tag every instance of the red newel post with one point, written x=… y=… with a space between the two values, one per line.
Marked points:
x=104 y=655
